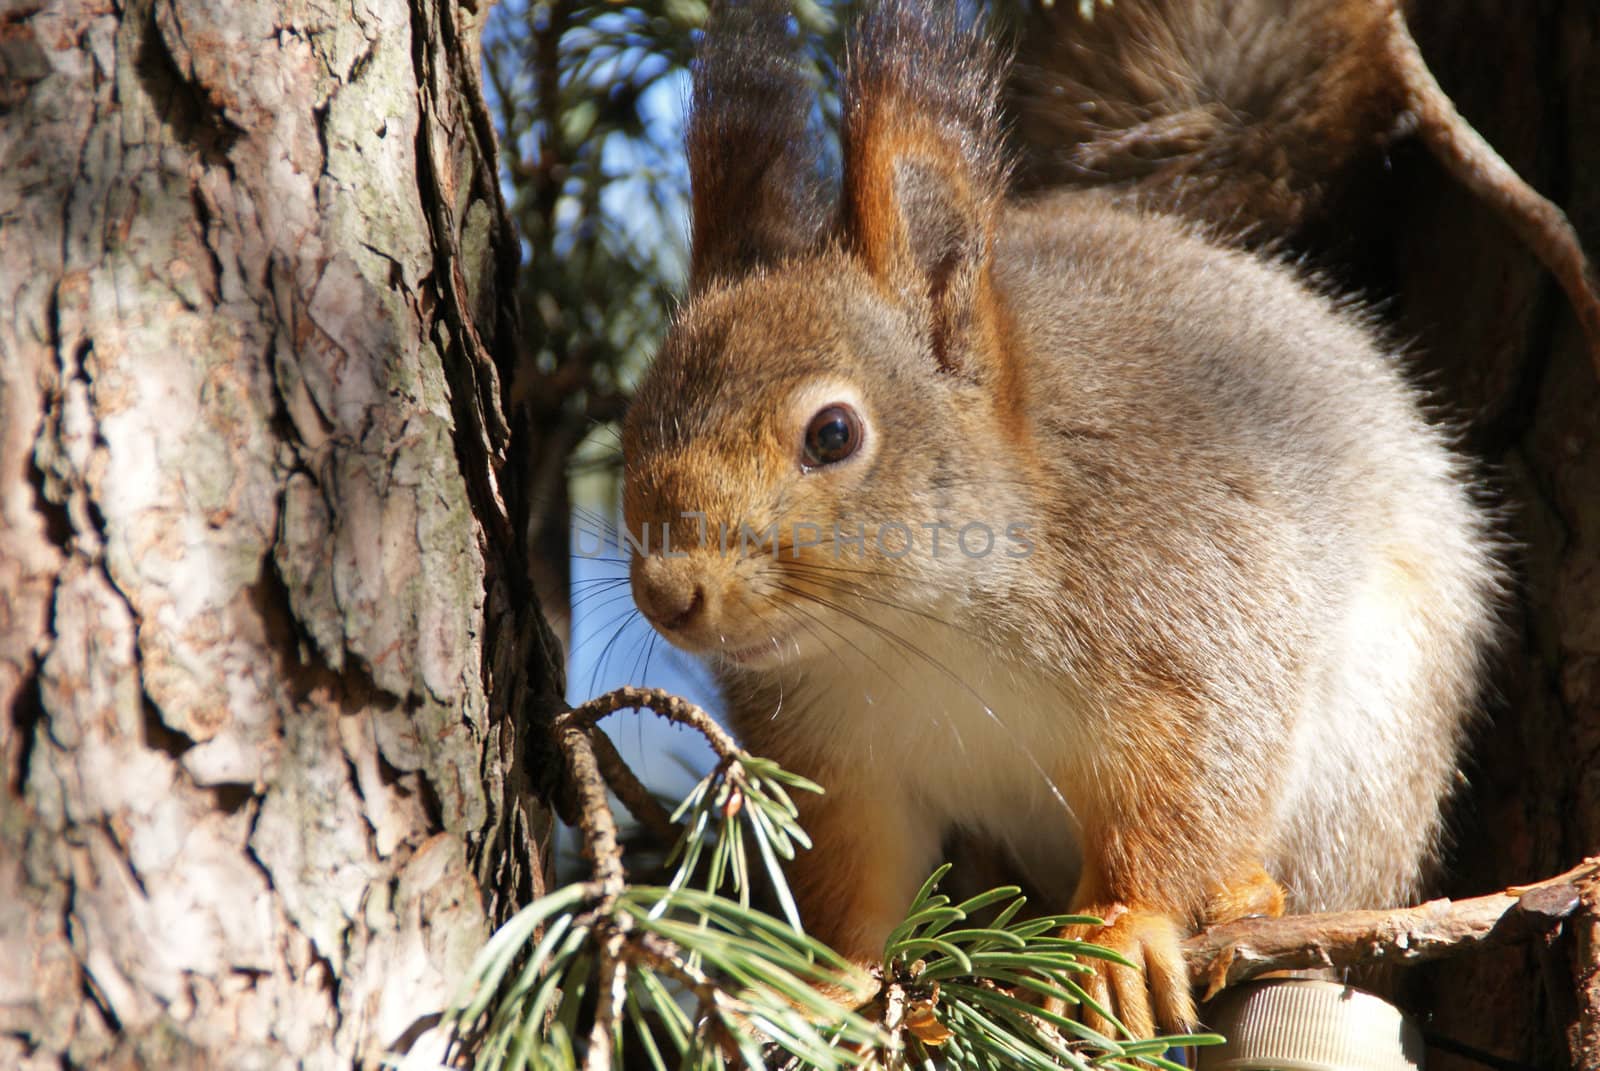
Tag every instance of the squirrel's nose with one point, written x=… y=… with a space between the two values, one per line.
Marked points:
x=668 y=592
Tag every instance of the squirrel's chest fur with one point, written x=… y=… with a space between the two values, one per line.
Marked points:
x=943 y=733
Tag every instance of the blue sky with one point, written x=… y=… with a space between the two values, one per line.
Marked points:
x=611 y=644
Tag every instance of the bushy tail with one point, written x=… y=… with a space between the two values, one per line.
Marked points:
x=1236 y=112
x=1245 y=114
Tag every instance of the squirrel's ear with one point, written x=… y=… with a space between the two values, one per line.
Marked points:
x=754 y=174
x=924 y=173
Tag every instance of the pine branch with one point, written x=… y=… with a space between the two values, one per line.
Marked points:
x=608 y=962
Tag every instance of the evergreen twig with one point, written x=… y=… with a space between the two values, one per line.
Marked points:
x=620 y=958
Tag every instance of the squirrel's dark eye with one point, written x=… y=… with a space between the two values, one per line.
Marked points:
x=833 y=435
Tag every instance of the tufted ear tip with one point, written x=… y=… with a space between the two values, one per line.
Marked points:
x=924 y=172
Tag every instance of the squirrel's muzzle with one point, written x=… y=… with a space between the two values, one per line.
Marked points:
x=670 y=592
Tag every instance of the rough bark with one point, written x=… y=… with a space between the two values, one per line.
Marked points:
x=1499 y=341
x=265 y=644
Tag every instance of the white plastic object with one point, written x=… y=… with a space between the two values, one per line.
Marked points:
x=1297 y=1024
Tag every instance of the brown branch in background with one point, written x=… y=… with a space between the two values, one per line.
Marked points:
x=551 y=171
x=640 y=801
x=1235 y=952
x=1473 y=162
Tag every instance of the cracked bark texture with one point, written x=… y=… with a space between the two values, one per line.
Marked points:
x=266 y=647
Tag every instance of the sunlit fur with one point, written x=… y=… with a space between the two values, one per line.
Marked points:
x=1249 y=629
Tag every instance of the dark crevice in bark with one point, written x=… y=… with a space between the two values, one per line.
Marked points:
x=162 y=737
x=270 y=597
x=391 y=776
x=27 y=712
x=319 y=124
x=57 y=521
x=358 y=67
x=431 y=804
x=182 y=103
x=396 y=278
x=203 y=223
x=80 y=359
x=406 y=784
x=330 y=980
x=97 y=520
x=300 y=663
x=279 y=422
x=92 y=994
x=232 y=797
x=27 y=705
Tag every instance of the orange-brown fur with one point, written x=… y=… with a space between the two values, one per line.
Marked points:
x=1242 y=649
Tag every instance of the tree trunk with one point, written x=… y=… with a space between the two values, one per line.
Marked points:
x=266 y=645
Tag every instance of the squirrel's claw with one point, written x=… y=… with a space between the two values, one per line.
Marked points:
x=1152 y=996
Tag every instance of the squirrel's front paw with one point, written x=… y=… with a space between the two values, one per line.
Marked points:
x=1157 y=995
x=854 y=987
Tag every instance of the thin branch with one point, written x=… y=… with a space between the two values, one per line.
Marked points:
x=640 y=801
x=593 y=763
x=613 y=989
x=675 y=709
x=603 y=848
x=1463 y=152
x=1235 y=952
x=601 y=844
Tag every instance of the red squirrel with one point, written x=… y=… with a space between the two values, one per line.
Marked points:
x=1045 y=515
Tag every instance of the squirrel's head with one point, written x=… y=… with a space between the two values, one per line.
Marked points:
x=814 y=415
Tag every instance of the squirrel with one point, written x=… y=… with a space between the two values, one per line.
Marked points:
x=1049 y=512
